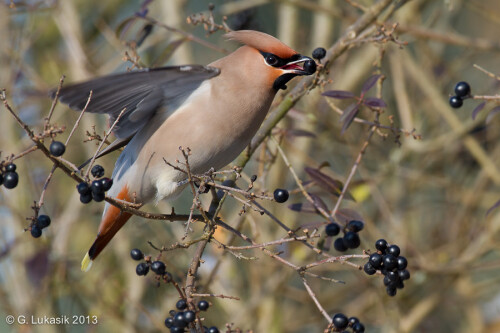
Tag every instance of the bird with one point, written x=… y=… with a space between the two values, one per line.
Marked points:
x=214 y=110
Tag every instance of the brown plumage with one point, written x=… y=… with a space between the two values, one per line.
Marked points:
x=213 y=110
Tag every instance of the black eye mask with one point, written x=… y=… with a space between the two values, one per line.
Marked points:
x=273 y=60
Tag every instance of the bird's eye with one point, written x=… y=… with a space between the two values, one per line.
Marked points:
x=271 y=59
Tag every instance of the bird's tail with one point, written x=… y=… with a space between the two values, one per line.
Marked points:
x=112 y=220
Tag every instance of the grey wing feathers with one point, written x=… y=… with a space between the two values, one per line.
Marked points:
x=141 y=93
x=115 y=145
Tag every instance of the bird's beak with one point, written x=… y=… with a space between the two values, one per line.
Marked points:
x=303 y=66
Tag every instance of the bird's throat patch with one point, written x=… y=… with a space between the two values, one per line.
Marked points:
x=281 y=81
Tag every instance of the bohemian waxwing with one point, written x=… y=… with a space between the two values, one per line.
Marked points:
x=214 y=110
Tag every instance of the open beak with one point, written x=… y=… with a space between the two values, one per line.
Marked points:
x=303 y=66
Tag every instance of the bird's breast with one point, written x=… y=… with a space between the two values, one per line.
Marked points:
x=215 y=124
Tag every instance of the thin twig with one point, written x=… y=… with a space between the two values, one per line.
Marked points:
x=188 y=36
x=275 y=256
x=354 y=168
x=323 y=212
x=45 y=185
x=214 y=295
x=315 y=299
x=54 y=103
x=356 y=5
x=103 y=141
x=26 y=128
x=490 y=74
x=276 y=242
x=487 y=98
x=342 y=259
x=79 y=118
x=24 y=153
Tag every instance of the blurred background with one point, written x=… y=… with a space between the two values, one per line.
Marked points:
x=429 y=195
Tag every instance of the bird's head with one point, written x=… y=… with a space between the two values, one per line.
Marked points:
x=269 y=57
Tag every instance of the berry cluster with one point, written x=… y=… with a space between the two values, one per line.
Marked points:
x=350 y=240
x=142 y=268
x=391 y=265
x=57 y=148
x=9 y=177
x=97 y=189
x=41 y=222
x=341 y=322
x=281 y=195
x=178 y=321
x=462 y=91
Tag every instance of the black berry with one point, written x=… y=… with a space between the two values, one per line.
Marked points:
x=43 y=221
x=340 y=321
x=203 y=305
x=355 y=225
x=83 y=188
x=86 y=198
x=339 y=245
x=106 y=183
x=189 y=316
x=375 y=260
x=319 y=53
x=402 y=262
x=381 y=245
x=391 y=291
x=394 y=250
x=181 y=304
x=281 y=195
x=310 y=66
x=97 y=171
x=10 y=167
x=96 y=187
x=404 y=274
x=57 y=148
x=158 y=267
x=387 y=281
x=213 y=329
x=390 y=262
x=369 y=269
x=332 y=229
x=353 y=320
x=169 y=322
x=456 y=102
x=11 y=179
x=392 y=276
x=136 y=254
x=358 y=327
x=176 y=329
x=462 y=89
x=351 y=240
x=142 y=269
x=180 y=320
x=36 y=231
x=98 y=197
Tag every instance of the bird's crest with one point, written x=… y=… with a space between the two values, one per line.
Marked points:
x=262 y=42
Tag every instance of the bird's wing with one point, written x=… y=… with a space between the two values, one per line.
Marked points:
x=141 y=93
x=115 y=145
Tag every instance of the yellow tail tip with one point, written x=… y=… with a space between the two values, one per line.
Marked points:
x=86 y=263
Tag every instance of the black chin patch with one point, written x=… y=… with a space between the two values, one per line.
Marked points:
x=280 y=82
